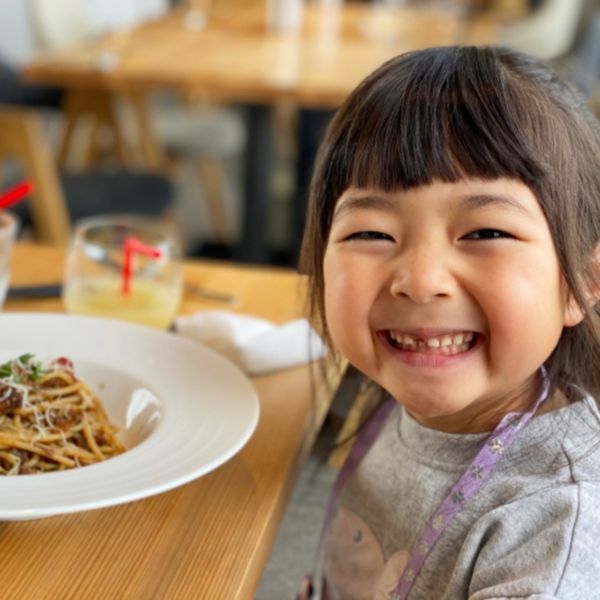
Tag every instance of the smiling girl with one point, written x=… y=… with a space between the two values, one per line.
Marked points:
x=452 y=244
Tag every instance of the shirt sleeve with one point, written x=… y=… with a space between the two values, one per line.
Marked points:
x=540 y=547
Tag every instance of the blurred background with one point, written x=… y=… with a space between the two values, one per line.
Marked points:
x=209 y=112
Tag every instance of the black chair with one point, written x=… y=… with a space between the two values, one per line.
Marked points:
x=95 y=192
x=15 y=92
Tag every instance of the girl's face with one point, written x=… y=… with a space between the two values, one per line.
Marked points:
x=448 y=295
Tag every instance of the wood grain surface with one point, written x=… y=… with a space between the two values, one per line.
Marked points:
x=207 y=539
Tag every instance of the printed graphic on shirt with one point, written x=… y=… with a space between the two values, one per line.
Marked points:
x=355 y=567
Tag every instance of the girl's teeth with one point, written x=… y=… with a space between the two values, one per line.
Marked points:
x=446 y=344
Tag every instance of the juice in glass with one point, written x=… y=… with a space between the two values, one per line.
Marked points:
x=103 y=277
x=148 y=302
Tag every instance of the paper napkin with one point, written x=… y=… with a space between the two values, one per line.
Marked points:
x=255 y=345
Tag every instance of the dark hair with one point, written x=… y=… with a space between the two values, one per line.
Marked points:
x=453 y=112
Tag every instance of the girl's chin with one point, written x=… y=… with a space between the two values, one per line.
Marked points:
x=440 y=413
x=434 y=413
x=455 y=419
x=428 y=408
x=435 y=420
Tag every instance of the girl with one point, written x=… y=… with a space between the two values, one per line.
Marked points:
x=453 y=243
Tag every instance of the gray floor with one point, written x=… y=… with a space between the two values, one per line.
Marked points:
x=294 y=549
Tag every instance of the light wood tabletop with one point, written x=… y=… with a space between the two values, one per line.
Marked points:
x=207 y=539
x=235 y=55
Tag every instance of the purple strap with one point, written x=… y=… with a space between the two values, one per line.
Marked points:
x=360 y=447
x=470 y=482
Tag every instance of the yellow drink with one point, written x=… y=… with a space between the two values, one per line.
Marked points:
x=148 y=302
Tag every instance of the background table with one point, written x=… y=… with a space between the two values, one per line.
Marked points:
x=207 y=539
x=235 y=58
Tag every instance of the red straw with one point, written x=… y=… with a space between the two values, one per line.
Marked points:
x=15 y=194
x=132 y=246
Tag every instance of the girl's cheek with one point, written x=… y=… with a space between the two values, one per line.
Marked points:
x=345 y=312
x=336 y=309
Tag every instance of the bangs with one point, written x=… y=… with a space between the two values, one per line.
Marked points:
x=457 y=114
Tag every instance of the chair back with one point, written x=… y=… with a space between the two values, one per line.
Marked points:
x=549 y=32
x=22 y=139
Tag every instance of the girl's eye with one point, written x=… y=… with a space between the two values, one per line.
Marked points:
x=487 y=234
x=369 y=236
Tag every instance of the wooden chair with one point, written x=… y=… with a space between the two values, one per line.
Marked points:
x=60 y=198
x=206 y=137
x=169 y=135
x=22 y=139
x=166 y=137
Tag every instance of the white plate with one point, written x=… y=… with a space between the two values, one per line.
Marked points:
x=182 y=409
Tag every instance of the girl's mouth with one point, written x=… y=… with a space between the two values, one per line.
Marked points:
x=447 y=344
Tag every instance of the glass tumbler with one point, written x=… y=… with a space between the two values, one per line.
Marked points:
x=8 y=232
x=124 y=267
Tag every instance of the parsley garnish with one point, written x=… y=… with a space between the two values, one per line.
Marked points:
x=25 y=365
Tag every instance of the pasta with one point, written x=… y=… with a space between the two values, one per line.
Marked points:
x=49 y=419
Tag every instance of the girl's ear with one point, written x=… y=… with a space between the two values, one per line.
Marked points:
x=574 y=314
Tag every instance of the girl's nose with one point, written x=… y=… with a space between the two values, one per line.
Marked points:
x=422 y=275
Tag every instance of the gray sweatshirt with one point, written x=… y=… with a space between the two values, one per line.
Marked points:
x=533 y=530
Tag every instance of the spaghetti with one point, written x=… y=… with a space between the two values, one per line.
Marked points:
x=49 y=419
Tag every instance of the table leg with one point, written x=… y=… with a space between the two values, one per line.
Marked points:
x=311 y=129
x=258 y=162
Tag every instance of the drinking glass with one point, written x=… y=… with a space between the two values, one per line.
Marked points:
x=8 y=231
x=100 y=281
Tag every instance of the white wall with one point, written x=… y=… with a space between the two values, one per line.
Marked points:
x=108 y=14
x=17 y=40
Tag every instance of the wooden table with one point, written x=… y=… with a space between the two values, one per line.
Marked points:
x=237 y=59
x=207 y=539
